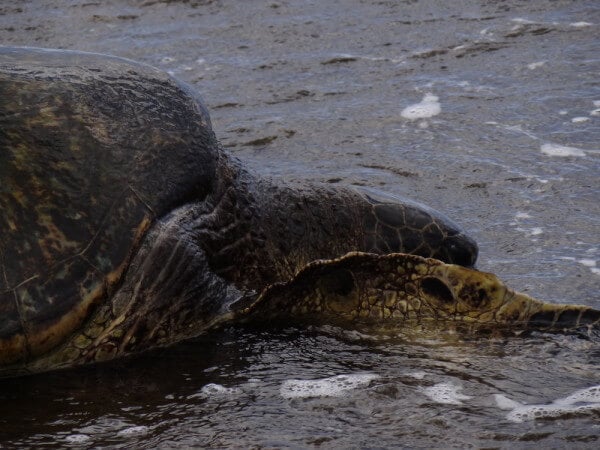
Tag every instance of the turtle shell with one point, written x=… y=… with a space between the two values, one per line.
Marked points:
x=92 y=150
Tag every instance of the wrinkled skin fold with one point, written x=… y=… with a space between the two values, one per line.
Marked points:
x=400 y=290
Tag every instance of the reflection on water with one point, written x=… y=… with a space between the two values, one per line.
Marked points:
x=487 y=111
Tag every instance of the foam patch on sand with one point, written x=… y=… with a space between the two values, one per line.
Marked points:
x=428 y=107
x=446 y=394
x=587 y=262
x=522 y=215
x=535 y=65
x=591 y=264
x=560 y=150
x=77 y=438
x=522 y=21
x=337 y=386
x=133 y=431
x=579 y=402
x=534 y=231
x=212 y=390
x=581 y=24
x=580 y=119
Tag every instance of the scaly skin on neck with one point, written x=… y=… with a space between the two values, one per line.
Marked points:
x=257 y=231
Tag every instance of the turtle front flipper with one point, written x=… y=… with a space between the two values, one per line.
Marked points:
x=402 y=290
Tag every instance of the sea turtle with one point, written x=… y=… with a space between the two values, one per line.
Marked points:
x=125 y=226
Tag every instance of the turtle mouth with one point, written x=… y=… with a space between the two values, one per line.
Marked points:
x=459 y=249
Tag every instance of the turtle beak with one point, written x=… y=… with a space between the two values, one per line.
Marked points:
x=459 y=249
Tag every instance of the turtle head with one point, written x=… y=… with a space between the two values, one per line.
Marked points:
x=393 y=224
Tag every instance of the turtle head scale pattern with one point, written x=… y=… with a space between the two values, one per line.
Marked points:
x=394 y=224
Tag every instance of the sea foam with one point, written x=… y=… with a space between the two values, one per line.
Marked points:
x=446 y=394
x=336 y=386
x=560 y=150
x=579 y=402
x=428 y=107
x=213 y=390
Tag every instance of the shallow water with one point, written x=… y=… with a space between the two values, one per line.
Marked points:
x=488 y=111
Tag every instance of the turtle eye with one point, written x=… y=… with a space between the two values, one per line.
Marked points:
x=460 y=250
x=436 y=288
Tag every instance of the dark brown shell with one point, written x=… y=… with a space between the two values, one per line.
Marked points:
x=92 y=150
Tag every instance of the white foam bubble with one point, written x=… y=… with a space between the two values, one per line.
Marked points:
x=591 y=264
x=535 y=231
x=527 y=412
x=505 y=403
x=579 y=119
x=535 y=65
x=215 y=390
x=588 y=395
x=522 y=215
x=136 y=430
x=567 y=258
x=560 y=150
x=581 y=24
x=336 y=386
x=445 y=393
x=77 y=438
x=581 y=401
x=428 y=107
x=596 y=102
x=522 y=20
x=595 y=112
x=587 y=262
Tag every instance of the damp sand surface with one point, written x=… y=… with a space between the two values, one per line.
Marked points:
x=487 y=111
